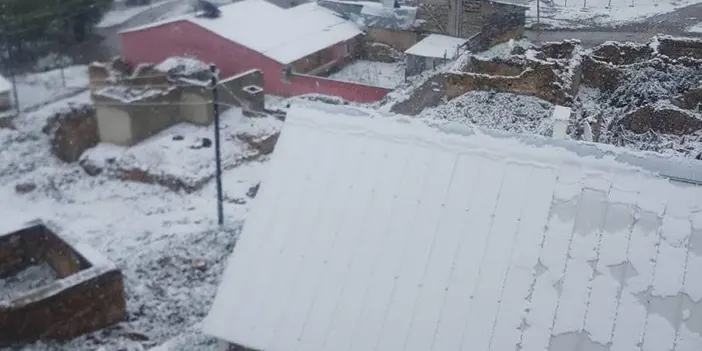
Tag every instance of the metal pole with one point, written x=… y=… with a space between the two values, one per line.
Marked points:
x=13 y=78
x=218 y=159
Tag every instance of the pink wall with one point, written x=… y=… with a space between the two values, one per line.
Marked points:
x=183 y=38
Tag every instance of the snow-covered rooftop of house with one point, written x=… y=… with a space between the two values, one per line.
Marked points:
x=438 y=46
x=284 y=35
x=409 y=238
x=5 y=85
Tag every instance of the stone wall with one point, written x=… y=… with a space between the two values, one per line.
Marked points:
x=539 y=81
x=398 y=40
x=72 y=132
x=661 y=119
x=680 y=47
x=62 y=309
x=85 y=307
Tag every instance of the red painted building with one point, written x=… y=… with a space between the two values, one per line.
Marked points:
x=288 y=45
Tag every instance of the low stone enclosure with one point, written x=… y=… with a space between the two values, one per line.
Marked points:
x=133 y=104
x=50 y=289
x=550 y=72
x=646 y=88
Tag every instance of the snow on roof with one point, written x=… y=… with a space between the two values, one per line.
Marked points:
x=5 y=85
x=409 y=238
x=438 y=46
x=298 y=32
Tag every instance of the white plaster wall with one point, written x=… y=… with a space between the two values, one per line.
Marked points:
x=114 y=126
x=194 y=109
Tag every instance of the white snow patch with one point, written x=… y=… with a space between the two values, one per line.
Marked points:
x=377 y=74
x=38 y=88
x=697 y=28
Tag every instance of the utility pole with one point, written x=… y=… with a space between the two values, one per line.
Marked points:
x=218 y=159
x=10 y=65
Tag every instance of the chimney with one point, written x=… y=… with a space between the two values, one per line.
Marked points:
x=561 y=116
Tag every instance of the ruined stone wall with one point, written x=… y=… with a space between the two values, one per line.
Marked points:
x=72 y=132
x=538 y=81
x=680 y=47
x=494 y=67
x=398 y=40
x=85 y=307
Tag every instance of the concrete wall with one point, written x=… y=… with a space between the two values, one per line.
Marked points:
x=399 y=40
x=126 y=124
x=238 y=90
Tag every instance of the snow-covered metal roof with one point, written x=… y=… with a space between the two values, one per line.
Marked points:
x=371 y=234
x=373 y=14
x=5 y=85
x=284 y=35
x=438 y=46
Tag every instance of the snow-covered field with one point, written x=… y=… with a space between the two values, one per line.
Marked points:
x=600 y=13
x=377 y=74
x=167 y=244
x=35 y=89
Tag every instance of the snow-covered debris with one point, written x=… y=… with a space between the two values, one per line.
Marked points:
x=184 y=67
x=500 y=111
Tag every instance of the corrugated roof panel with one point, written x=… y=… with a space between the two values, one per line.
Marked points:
x=375 y=235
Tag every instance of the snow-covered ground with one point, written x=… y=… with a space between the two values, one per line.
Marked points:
x=167 y=244
x=600 y=13
x=696 y=28
x=35 y=89
x=377 y=74
x=123 y=14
